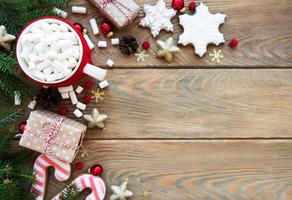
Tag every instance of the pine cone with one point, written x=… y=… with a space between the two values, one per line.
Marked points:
x=47 y=97
x=128 y=45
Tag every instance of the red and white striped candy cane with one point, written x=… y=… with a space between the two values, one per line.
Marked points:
x=96 y=184
x=62 y=173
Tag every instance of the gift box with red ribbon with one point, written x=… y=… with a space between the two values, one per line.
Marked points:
x=53 y=134
x=119 y=12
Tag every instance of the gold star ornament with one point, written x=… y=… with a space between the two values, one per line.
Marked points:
x=146 y=193
x=84 y=151
x=140 y=56
x=216 y=56
x=97 y=94
x=95 y=119
x=5 y=38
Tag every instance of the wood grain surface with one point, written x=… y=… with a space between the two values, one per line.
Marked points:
x=263 y=28
x=218 y=169
x=186 y=103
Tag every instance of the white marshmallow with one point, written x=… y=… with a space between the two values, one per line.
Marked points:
x=95 y=72
x=110 y=63
x=94 y=26
x=62 y=69
x=48 y=70
x=55 y=27
x=81 y=106
x=38 y=75
x=89 y=42
x=65 y=95
x=72 y=63
x=79 y=9
x=32 y=104
x=115 y=41
x=103 y=84
x=60 y=12
x=43 y=65
x=79 y=89
x=51 y=78
x=73 y=97
x=77 y=113
x=62 y=44
x=102 y=44
x=65 y=89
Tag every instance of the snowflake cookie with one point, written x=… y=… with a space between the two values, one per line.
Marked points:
x=201 y=29
x=158 y=17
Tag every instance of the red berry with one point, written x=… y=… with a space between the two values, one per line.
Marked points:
x=79 y=165
x=79 y=27
x=233 y=43
x=96 y=170
x=88 y=84
x=86 y=99
x=105 y=28
x=21 y=127
x=177 y=4
x=192 y=6
x=63 y=111
x=146 y=45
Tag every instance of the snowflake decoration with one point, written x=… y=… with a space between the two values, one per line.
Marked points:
x=201 y=29
x=84 y=151
x=146 y=193
x=216 y=55
x=97 y=94
x=140 y=56
x=158 y=17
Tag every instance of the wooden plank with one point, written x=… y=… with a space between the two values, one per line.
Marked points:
x=224 y=169
x=186 y=103
x=263 y=28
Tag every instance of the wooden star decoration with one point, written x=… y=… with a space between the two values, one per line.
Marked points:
x=95 y=119
x=140 y=56
x=84 y=151
x=5 y=38
x=121 y=192
x=146 y=193
x=216 y=55
x=97 y=95
x=201 y=29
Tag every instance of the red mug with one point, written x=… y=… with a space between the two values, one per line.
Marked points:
x=78 y=72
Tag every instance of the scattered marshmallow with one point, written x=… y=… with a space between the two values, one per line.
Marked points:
x=77 y=113
x=94 y=26
x=79 y=9
x=60 y=12
x=17 y=99
x=32 y=104
x=110 y=63
x=89 y=42
x=73 y=97
x=102 y=44
x=65 y=89
x=95 y=72
x=79 y=89
x=115 y=41
x=81 y=106
x=65 y=95
x=103 y=84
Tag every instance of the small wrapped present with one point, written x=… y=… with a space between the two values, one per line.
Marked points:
x=55 y=135
x=119 y=12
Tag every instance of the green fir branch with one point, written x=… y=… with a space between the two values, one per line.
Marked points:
x=70 y=192
x=9 y=116
x=8 y=65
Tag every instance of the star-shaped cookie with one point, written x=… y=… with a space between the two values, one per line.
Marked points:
x=121 y=192
x=201 y=29
x=5 y=38
x=95 y=119
x=158 y=17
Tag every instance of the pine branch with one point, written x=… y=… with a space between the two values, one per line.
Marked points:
x=9 y=116
x=70 y=192
x=5 y=142
x=8 y=65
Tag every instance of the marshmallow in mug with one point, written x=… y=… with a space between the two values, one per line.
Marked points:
x=50 y=50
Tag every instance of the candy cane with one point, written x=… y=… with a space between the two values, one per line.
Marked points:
x=84 y=181
x=62 y=173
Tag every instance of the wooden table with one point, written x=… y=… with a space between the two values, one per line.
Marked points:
x=194 y=129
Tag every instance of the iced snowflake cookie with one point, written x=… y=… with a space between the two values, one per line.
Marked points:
x=49 y=50
x=158 y=17
x=201 y=29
